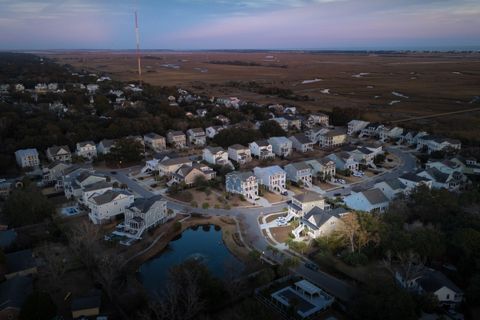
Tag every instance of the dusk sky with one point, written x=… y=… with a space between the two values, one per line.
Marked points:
x=241 y=24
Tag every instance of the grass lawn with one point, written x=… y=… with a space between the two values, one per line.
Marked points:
x=273 y=197
x=281 y=234
x=272 y=217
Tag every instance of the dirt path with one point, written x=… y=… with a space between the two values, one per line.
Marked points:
x=437 y=115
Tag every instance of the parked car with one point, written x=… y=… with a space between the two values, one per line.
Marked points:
x=311 y=266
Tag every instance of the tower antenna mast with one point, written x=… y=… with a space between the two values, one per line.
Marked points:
x=137 y=35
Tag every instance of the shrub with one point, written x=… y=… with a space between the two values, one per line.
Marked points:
x=205 y=205
x=177 y=226
x=354 y=259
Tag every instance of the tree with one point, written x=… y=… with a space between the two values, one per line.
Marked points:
x=271 y=128
x=28 y=206
x=359 y=230
x=298 y=246
x=127 y=150
x=39 y=305
x=409 y=265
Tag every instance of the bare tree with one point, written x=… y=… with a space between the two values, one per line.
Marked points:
x=350 y=229
x=55 y=266
x=83 y=241
x=409 y=265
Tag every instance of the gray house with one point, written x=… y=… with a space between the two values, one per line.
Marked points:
x=243 y=183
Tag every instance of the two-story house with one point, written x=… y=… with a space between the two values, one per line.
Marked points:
x=322 y=223
x=169 y=166
x=281 y=146
x=273 y=178
x=189 y=175
x=145 y=214
x=105 y=146
x=87 y=149
x=282 y=122
x=391 y=188
x=212 y=131
x=177 y=139
x=243 y=183
x=300 y=173
x=103 y=207
x=303 y=203
x=155 y=142
x=356 y=126
x=372 y=200
x=261 y=149
x=412 y=181
x=434 y=143
x=27 y=158
x=240 y=154
x=59 y=153
x=301 y=143
x=332 y=138
x=323 y=169
x=316 y=119
x=344 y=161
x=216 y=156
x=196 y=137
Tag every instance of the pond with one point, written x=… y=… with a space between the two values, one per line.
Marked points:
x=203 y=243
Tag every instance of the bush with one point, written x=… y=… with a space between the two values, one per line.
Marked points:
x=205 y=205
x=354 y=259
x=177 y=226
x=194 y=204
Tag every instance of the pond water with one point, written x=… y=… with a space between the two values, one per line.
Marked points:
x=203 y=243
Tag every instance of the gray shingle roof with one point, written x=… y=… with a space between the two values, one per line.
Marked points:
x=108 y=196
x=375 y=196
x=302 y=138
x=395 y=184
x=321 y=216
x=433 y=280
x=308 y=196
x=143 y=204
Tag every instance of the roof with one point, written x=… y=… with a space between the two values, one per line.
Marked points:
x=437 y=175
x=13 y=292
x=375 y=196
x=175 y=161
x=308 y=196
x=280 y=140
x=272 y=170
x=302 y=138
x=97 y=186
x=321 y=216
x=395 y=184
x=262 y=143
x=197 y=130
x=153 y=135
x=19 y=261
x=238 y=147
x=109 y=196
x=434 y=280
x=214 y=150
x=143 y=204
x=27 y=152
x=242 y=175
x=302 y=165
x=336 y=132
x=89 y=302
x=308 y=287
x=176 y=133
x=410 y=176
x=439 y=139
x=7 y=237
x=107 y=143
x=84 y=143
x=56 y=149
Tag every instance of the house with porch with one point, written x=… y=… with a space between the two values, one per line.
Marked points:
x=314 y=133
x=261 y=149
x=54 y=172
x=59 y=153
x=169 y=166
x=452 y=181
x=356 y=126
x=27 y=158
x=105 y=146
x=196 y=137
x=188 y=175
x=372 y=200
x=332 y=138
x=412 y=181
x=105 y=206
x=281 y=146
x=391 y=188
x=300 y=173
x=303 y=203
x=87 y=150
x=344 y=161
x=323 y=169
x=212 y=131
x=301 y=143
x=216 y=156
x=177 y=139
x=244 y=183
x=154 y=141
x=435 y=143
x=273 y=178
x=322 y=223
x=240 y=154
x=316 y=119
x=145 y=214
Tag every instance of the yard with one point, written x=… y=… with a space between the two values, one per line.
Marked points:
x=214 y=198
x=273 y=197
x=281 y=234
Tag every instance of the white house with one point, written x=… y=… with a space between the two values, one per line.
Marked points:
x=144 y=214
x=433 y=282
x=92 y=88
x=273 y=178
x=168 y=167
x=212 y=131
x=261 y=149
x=87 y=149
x=317 y=119
x=332 y=138
x=301 y=204
x=299 y=172
x=412 y=180
x=216 y=156
x=356 y=126
x=434 y=143
x=53 y=173
x=177 y=139
x=27 y=158
x=323 y=169
x=452 y=181
x=372 y=130
x=154 y=141
x=243 y=183
x=372 y=200
x=59 y=153
x=105 y=146
x=322 y=223
x=239 y=154
x=103 y=207
x=89 y=190
x=314 y=133
x=391 y=188
x=281 y=146
x=282 y=122
x=196 y=137
x=301 y=143
x=344 y=161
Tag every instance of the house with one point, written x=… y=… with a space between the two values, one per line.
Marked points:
x=52 y=86
x=27 y=158
x=87 y=149
x=19 y=87
x=104 y=147
x=13 y=294
x=94 y=189
x=470 y=166
x=41 y=88
x=261 y=149
x=201 y=112
x=300 y=173
x=188 y=175
x=144 y=214
x=154 y=141
x=356 y=126
x=282 y=122
x=390 y=133
x=243 y=183
x=92 y=88
x=452 y=181
x=223 y=119
x=344 y=161
x=432 y=282
x=212 y=131
x=322 y=223
x=391 y=188
x=281 y=146
x=290 y=110
x=301 y=143
x=57 y=107
x=372 y=200
x=372 y=130
x=273 y=178
x=170 y=166
x=87 y=306
x=294 y=122
x=76 y=180
x=324 y=168
x=303 y=203
x=317 y=119
x=196 y=137
x=412 y=181
x=216 y=156
x=434 y=143
x=105 y=206
x=411 y=137
x=332 y=138
x=314 y=133
x=240 y=154
x=54 y=172
x=59 y=153
x=20 y=263
x=177 y=139
x=362 y=155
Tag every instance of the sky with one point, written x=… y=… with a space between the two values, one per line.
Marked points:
x=240 y=24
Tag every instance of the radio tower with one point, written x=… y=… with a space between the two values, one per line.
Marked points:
x=137 y=35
